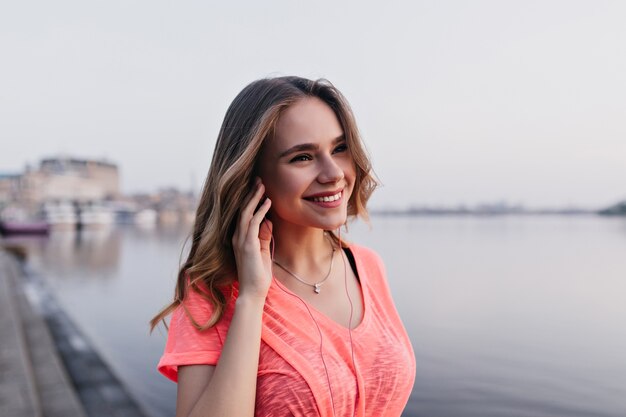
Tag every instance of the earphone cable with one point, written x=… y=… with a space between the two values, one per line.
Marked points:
x=345 y=281
x=319 y=331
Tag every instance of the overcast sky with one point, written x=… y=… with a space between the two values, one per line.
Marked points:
x=458 y=101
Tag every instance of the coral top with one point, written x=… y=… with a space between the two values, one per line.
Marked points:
x=304 y=371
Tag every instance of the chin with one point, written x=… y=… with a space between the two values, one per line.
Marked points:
x=332 y=224
x=302 y=214
x=324 y=223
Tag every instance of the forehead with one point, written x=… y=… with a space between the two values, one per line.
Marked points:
x=309 y=120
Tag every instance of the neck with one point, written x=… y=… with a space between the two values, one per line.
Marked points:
x=302 y=249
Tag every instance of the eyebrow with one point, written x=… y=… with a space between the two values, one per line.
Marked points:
x=309 y=146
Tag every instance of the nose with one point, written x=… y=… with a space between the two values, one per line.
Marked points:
x=330 y=171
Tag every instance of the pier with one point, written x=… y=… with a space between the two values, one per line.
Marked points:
x=47 y=368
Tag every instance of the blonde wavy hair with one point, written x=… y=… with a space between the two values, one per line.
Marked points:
x=251 y=118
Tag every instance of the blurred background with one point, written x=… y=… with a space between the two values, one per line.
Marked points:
x=496 y=128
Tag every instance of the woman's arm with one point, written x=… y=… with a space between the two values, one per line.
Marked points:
x=229 y=388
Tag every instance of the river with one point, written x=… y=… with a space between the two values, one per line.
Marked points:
x=508 y=315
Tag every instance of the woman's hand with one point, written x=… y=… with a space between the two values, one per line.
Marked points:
x=229 y=388
x=251 y=245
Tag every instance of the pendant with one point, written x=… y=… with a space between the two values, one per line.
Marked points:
x=317 y=288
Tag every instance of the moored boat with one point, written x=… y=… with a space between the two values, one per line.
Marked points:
x=12 y=228
x=96 y=215
x=60 y=215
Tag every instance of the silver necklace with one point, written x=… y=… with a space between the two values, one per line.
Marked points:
x=318 y=285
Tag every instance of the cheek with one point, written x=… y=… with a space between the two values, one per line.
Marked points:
x=350 y=173
x=281 y=186
x=349 y=169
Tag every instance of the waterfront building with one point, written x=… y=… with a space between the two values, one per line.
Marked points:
x=62 y=179
x=79 y=180
x=73 y=193
x=9 y=188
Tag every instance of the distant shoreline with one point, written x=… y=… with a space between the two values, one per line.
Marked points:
x=480 y=213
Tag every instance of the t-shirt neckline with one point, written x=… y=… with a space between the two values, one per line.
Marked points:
x=362 y=280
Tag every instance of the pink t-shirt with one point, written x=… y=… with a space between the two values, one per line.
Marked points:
x=298 y=378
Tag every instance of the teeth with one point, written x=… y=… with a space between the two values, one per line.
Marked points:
x=327 y=198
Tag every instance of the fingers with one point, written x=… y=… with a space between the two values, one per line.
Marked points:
x=258 y=217
x=248 y=219
x=248 y=210
x=265 y=234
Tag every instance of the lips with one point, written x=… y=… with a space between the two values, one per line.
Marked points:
x=327 y=200
x=325 y=196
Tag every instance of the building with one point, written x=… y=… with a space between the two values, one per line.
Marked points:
x=9 y=188
x=62 y=179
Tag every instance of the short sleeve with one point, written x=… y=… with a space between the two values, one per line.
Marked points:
x=187 y=345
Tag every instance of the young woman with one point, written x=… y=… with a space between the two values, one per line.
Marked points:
x=274 y=314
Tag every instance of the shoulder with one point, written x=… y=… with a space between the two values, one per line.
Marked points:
x=187 y=343
x=371 y=269
x=197 y=305
x=368 y=257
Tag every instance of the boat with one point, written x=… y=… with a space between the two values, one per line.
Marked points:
x=60 y=214
x=95 y=215
x=35 y=227
x=146 y=217
x=17 y=220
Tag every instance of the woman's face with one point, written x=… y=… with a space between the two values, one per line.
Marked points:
x=307 y=168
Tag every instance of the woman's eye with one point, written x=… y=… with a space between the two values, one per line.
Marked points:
x=299 y=158
x=341 y=148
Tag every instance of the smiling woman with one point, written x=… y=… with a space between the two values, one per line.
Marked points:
x=319 y=334
x=307 y=168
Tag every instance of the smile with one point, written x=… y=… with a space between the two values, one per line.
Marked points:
x=327 y=201
x=327 y=198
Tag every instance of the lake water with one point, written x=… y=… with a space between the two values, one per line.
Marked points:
x=509 y=315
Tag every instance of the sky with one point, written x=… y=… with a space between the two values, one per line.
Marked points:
x=459 y=102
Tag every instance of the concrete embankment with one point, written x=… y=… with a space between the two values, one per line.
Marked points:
x=47 y=368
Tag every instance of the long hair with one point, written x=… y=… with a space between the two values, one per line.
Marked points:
x=251 y=118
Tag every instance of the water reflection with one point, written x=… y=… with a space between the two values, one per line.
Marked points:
x=509 y=316
x=88 y=254
x=92 y=253
x=111 y=282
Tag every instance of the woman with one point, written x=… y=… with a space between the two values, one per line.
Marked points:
x=275 y=315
